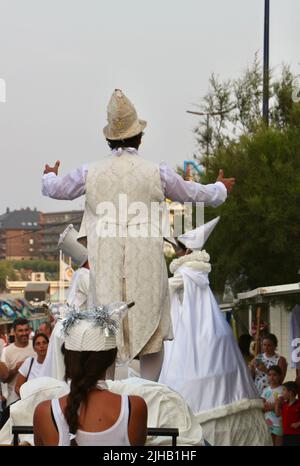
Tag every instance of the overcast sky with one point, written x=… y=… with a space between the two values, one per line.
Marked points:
x=61 y=60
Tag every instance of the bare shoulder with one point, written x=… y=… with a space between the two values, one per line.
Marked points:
x=42 y=408
x=138 y=403
x=137 y=430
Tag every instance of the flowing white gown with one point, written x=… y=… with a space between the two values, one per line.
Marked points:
x=203 y=363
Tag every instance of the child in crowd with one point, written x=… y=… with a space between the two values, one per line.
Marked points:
x=270 y=394
x=288 y=406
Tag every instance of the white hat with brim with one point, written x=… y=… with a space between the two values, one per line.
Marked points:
x=96 y=329
x=123 y=122
x=69 y=245
x=85 y=336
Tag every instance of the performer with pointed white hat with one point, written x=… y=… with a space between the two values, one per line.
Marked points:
x=53 y=365
x=203 y=363
x=123 y=267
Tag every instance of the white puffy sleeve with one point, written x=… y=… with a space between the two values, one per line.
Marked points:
x=177 y=189
x=66 y=187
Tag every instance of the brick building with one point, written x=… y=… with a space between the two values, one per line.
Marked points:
x=52 y=225
x=29 y=234
x=20 y=234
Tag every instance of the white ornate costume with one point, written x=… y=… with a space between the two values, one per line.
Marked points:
x=139 y=260
x=204 y=363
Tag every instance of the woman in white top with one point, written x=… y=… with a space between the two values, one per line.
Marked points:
x=31 y=367
x=90 y=414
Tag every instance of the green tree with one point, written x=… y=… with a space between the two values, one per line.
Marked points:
x=6 y=271
x=256 y=242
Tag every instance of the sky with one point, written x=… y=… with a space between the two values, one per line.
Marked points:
x=62 y=59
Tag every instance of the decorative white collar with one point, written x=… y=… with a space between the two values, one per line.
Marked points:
x=197 y=259
x=120 y=151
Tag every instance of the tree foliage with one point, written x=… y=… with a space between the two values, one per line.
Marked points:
x=20 y=270
x=256 y=242
x=6 y=271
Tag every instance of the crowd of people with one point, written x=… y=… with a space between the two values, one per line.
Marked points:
x=125 y=418
x=281 y=399
x=21 y=359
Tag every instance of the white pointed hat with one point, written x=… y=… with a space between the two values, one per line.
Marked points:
x=69 y=245
x=195 y=239
x=123 y=122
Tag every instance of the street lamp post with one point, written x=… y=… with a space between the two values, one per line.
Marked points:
x=266 y=84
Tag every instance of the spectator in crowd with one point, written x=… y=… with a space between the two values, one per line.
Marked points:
x=3 y=339
x=297 y=382
x=288 y=406
x=31 y=367
x=3 y=371
x=270 y=394
x=244 y=345
x=14 y=355
x=90 y=414
x=45 y=328
x=3 y=376
x=259 y=366
x=31 y=333
x=2 y=346
x=11 y=336
x=3 y=368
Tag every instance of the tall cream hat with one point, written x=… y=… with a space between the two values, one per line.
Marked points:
x=123 y=122
x=69 y=245
x=94 y=330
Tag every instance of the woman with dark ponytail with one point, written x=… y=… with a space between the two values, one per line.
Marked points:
x=90 y=414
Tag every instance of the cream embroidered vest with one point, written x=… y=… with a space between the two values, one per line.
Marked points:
x=126 y=268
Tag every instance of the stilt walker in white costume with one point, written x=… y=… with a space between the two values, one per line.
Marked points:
x=53 y=365
x=123 y=267
x=203 y=363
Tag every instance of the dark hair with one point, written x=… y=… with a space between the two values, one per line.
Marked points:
x=47 y=323
x=134 y=141
x=37 y=335
x=244 y=343
x=84 y=368
x=276 y=369
x=291 y=387
x=272 y=338
x=20 y=321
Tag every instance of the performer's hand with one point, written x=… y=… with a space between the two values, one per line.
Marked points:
x=228 y=182
x=54 y=169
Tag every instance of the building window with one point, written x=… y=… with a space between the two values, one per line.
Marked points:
x=31 y=241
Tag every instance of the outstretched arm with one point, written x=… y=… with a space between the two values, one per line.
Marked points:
x=177 y=189
x=66 y=187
